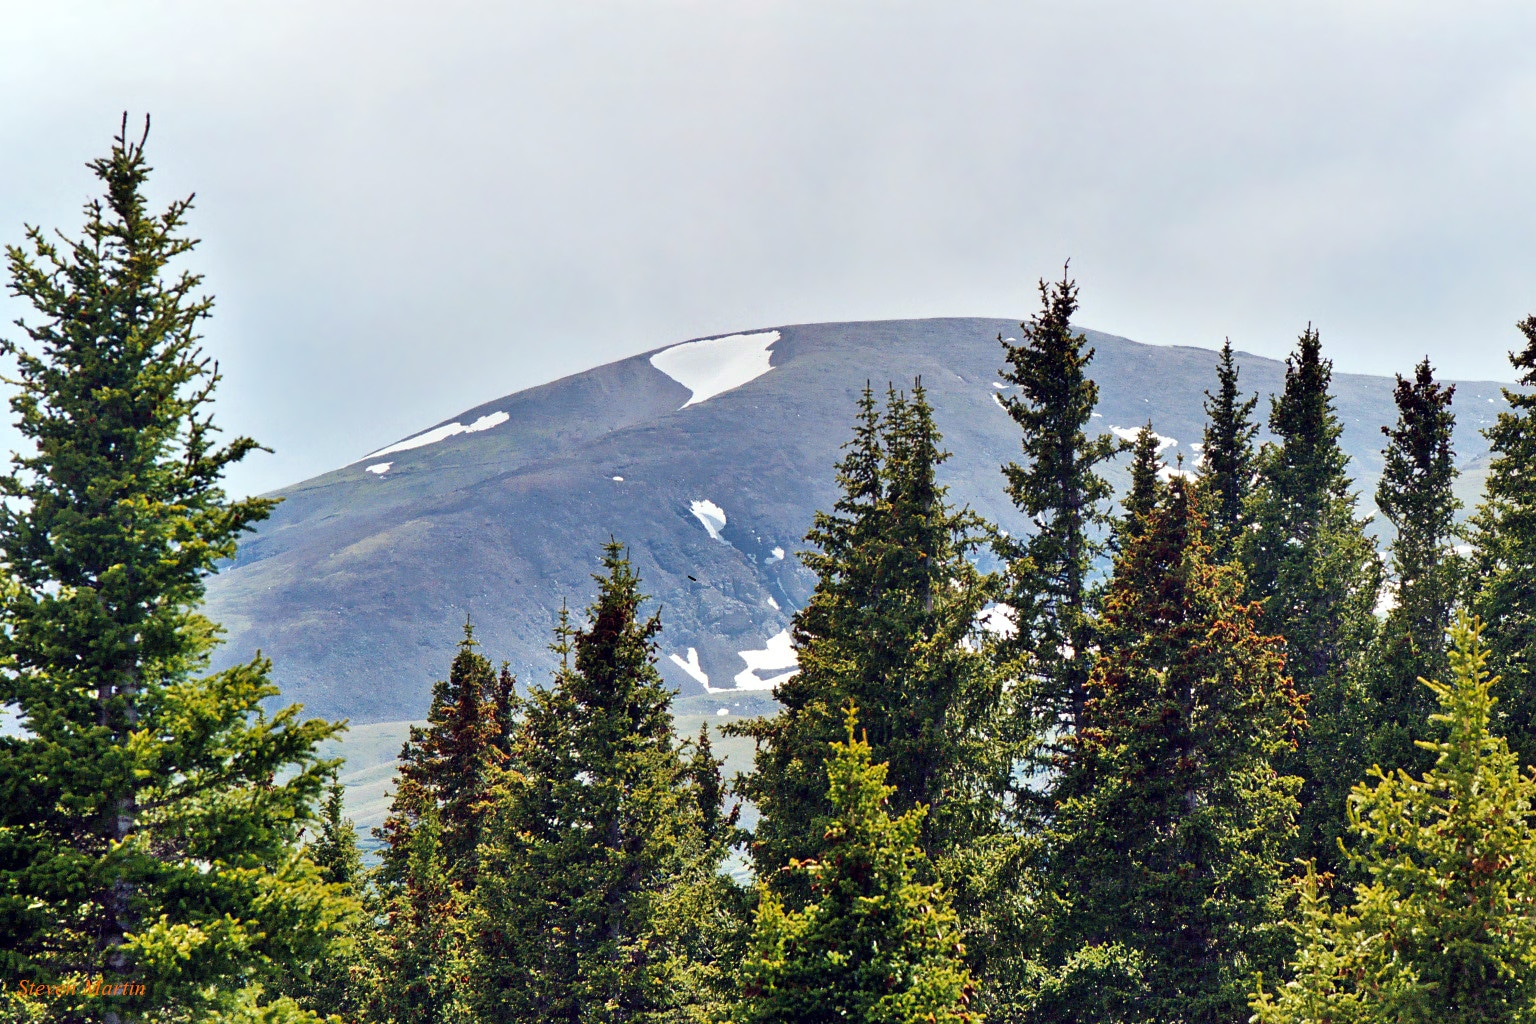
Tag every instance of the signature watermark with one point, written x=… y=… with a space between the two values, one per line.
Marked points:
x=97 y=988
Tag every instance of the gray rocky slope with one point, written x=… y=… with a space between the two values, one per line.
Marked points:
x=358 y=586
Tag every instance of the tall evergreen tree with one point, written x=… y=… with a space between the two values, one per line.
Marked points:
x=1059 y=488
x=1314 y=568
x=595 y=831
x=1442 y=928
x=876 y=943
x=1146 y=487
x=892 y=626
x=1504 y=536
x=1171 y=819
x=432 y=836
x=150 y=814
x=1415 y=496
x=449 y=761
x=1227 y=456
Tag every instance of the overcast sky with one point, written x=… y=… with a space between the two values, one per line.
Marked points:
x=409 y=209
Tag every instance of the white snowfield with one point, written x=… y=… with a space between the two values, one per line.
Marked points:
x=716 y=365
x=691 y=666
x=776 y=556
x=1131 y=433
x=380 y=468
x=442 y=433
x=777 y=656
x=711 y=515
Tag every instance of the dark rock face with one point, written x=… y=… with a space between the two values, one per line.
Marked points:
x=359 y=584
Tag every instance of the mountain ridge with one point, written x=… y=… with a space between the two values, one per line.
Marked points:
x=359 y=584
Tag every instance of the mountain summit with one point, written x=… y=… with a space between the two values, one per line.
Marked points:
x=708 y=459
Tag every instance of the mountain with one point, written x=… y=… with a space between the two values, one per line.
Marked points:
x=708 y=459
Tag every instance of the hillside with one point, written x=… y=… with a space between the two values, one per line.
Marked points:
x=708 y=458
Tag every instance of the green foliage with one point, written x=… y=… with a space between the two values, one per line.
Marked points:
x=1059 y=488
x=1171 y=821
x=892 y=626
x=143 y=831
x=598 y=886
x=874 y=943
x=1443 y=929
x=1228 y=457
x=1316 y=571
x=415 y=963
x=1145 y=491
x=1415 y=496
x=1504 y=534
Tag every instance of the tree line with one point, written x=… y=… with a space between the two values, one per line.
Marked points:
x=1202 y=754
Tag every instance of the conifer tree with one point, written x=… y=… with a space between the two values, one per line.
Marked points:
x=1442 y=928
x=1504 y=536
x=595 y=830
x=892 y=626
x=1145 y=490
x=875 y=943
x=449 y=761
x=150 y=813
x=1058 y=487
x=1166 y=847
x=1227 y=457
x=1415 y=496
x=1311 y=564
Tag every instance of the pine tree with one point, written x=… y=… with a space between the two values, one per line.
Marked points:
x=1227 y=457
x=875 y=943
x=144 y=832
x=450 y=760
x=432 y=836
x=1058 y=487
x=1443 y=928
x=1146 y=487
x=1504 y=536
x=595 y=829
x=1415 y=496
x=892 y=626
x=1171 y=820
x=1311 y=564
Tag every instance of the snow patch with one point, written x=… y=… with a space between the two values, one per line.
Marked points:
x=692 y=667
x=716 y=365
x=773 y=603
x=777 y=556
x=722 y=712
x=618 y=479
x=711 y=515
x=776 y=656
x=1130 y=434
x=442 y=433
x=1166 y=473
x=999 y=402
x=380 y=468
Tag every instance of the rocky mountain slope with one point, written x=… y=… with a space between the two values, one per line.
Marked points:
x=708 y=459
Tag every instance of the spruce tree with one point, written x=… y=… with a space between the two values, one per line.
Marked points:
x=875 y=943
x=150 y=813
x=1227 y=457
x=432 y=836
x=1145 y=490
x=1314 y=568
x=1504 y=536
x=1442 y=928
x=892 y=626
x=1059 y=489
x=1166 y=846
x=595 y=833
x=1415 y=496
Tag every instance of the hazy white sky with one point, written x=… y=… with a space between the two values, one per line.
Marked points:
x=408 y=209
